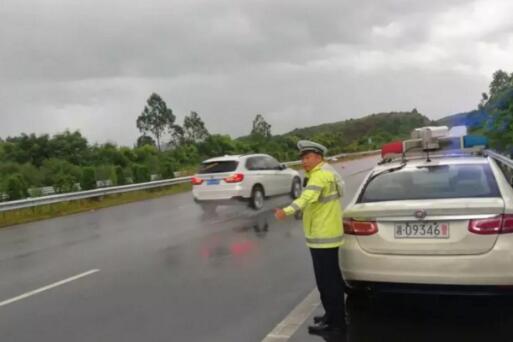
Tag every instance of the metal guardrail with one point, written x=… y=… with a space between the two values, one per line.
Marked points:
x=505 y=163
x=73 y=196
x=499 y=157
x=79 y=195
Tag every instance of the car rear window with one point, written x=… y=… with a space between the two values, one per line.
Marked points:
x=432 y=182
x=218 y=167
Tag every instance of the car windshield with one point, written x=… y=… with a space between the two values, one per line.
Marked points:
x=432 y=182
x=218 y=167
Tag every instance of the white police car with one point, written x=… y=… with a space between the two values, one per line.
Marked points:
x=436 y=215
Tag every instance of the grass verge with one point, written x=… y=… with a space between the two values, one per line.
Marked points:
x=14 y=217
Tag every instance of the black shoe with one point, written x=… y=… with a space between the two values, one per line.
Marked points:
x=319 y=319
x=326 y=328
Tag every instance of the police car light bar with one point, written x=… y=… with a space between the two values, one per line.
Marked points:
x=428 y=139
x=430 y=132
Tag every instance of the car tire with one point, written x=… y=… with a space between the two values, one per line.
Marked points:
x=296 y=188
x=257 y=198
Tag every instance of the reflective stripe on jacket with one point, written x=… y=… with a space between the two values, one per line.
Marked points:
x=321 y=207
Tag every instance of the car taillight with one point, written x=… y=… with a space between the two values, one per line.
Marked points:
x=501 y=224
x=236 y=178
x=196 y=181
x=507 y=224
x=353 y=227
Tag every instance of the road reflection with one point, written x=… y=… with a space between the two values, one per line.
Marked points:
x=427 y=318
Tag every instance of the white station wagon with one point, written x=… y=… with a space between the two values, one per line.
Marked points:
x=250 y=178
x=435 y=217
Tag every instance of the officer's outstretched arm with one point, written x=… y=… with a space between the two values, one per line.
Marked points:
x=310 y=195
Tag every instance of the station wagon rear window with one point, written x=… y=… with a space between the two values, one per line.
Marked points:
x=218 y=167
x=432 y=182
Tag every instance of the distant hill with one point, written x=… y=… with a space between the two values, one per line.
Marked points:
x=364 y=133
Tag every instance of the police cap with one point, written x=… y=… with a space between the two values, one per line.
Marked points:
x=305 y=146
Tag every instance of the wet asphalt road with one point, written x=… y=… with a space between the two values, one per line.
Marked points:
x=166 y=273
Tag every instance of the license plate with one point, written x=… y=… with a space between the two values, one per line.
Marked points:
x=213 y=182
x=421 y=230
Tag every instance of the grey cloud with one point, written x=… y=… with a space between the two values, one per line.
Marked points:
x=90 y=65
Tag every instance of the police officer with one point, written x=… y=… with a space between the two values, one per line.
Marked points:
x=322 y=221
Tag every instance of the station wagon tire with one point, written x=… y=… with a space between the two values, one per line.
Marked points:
x=296 y=188
x=257 y=198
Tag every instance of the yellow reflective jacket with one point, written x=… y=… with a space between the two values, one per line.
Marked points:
x=321 y=207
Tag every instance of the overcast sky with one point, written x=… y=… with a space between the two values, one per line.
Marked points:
x=91 y=65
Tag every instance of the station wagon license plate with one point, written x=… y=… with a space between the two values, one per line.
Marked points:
x=213 y=182
x=421 y=230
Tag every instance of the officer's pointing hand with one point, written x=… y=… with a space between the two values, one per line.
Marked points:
x=279 y=214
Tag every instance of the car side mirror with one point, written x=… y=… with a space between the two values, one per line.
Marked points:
x=283 y=167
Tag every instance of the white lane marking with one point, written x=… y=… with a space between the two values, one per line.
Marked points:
x=290 y=324
x=48 y=287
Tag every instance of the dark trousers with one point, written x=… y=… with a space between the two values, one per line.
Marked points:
x=329 y=282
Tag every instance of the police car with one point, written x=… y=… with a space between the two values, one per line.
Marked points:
x=248 y=178
x=436 y=215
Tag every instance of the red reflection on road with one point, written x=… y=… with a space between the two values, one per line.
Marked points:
x=216 y=248
x=242 y=248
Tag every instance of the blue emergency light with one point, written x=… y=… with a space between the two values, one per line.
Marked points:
x=474 y=141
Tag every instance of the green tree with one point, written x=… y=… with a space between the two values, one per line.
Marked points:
x=16 y=187
x=129 y=153
x=156 y=118
x=2 y=150
x=261 y=127
x=186 y=154
x=217 y=145
x=108 y=154
x=194 y=128
x=28 y=149
x=145 y=140
x=144 y=153
x=31 y=174
x=88 y=179
x=141 y=173
x=120 y=175
x=65 y=183
x=53 y=167
x=113 y=177
x=104 y=172
x=501 y=80
x=499 y=107
x=177 y=135
x=69 y=146
x=167 y=169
